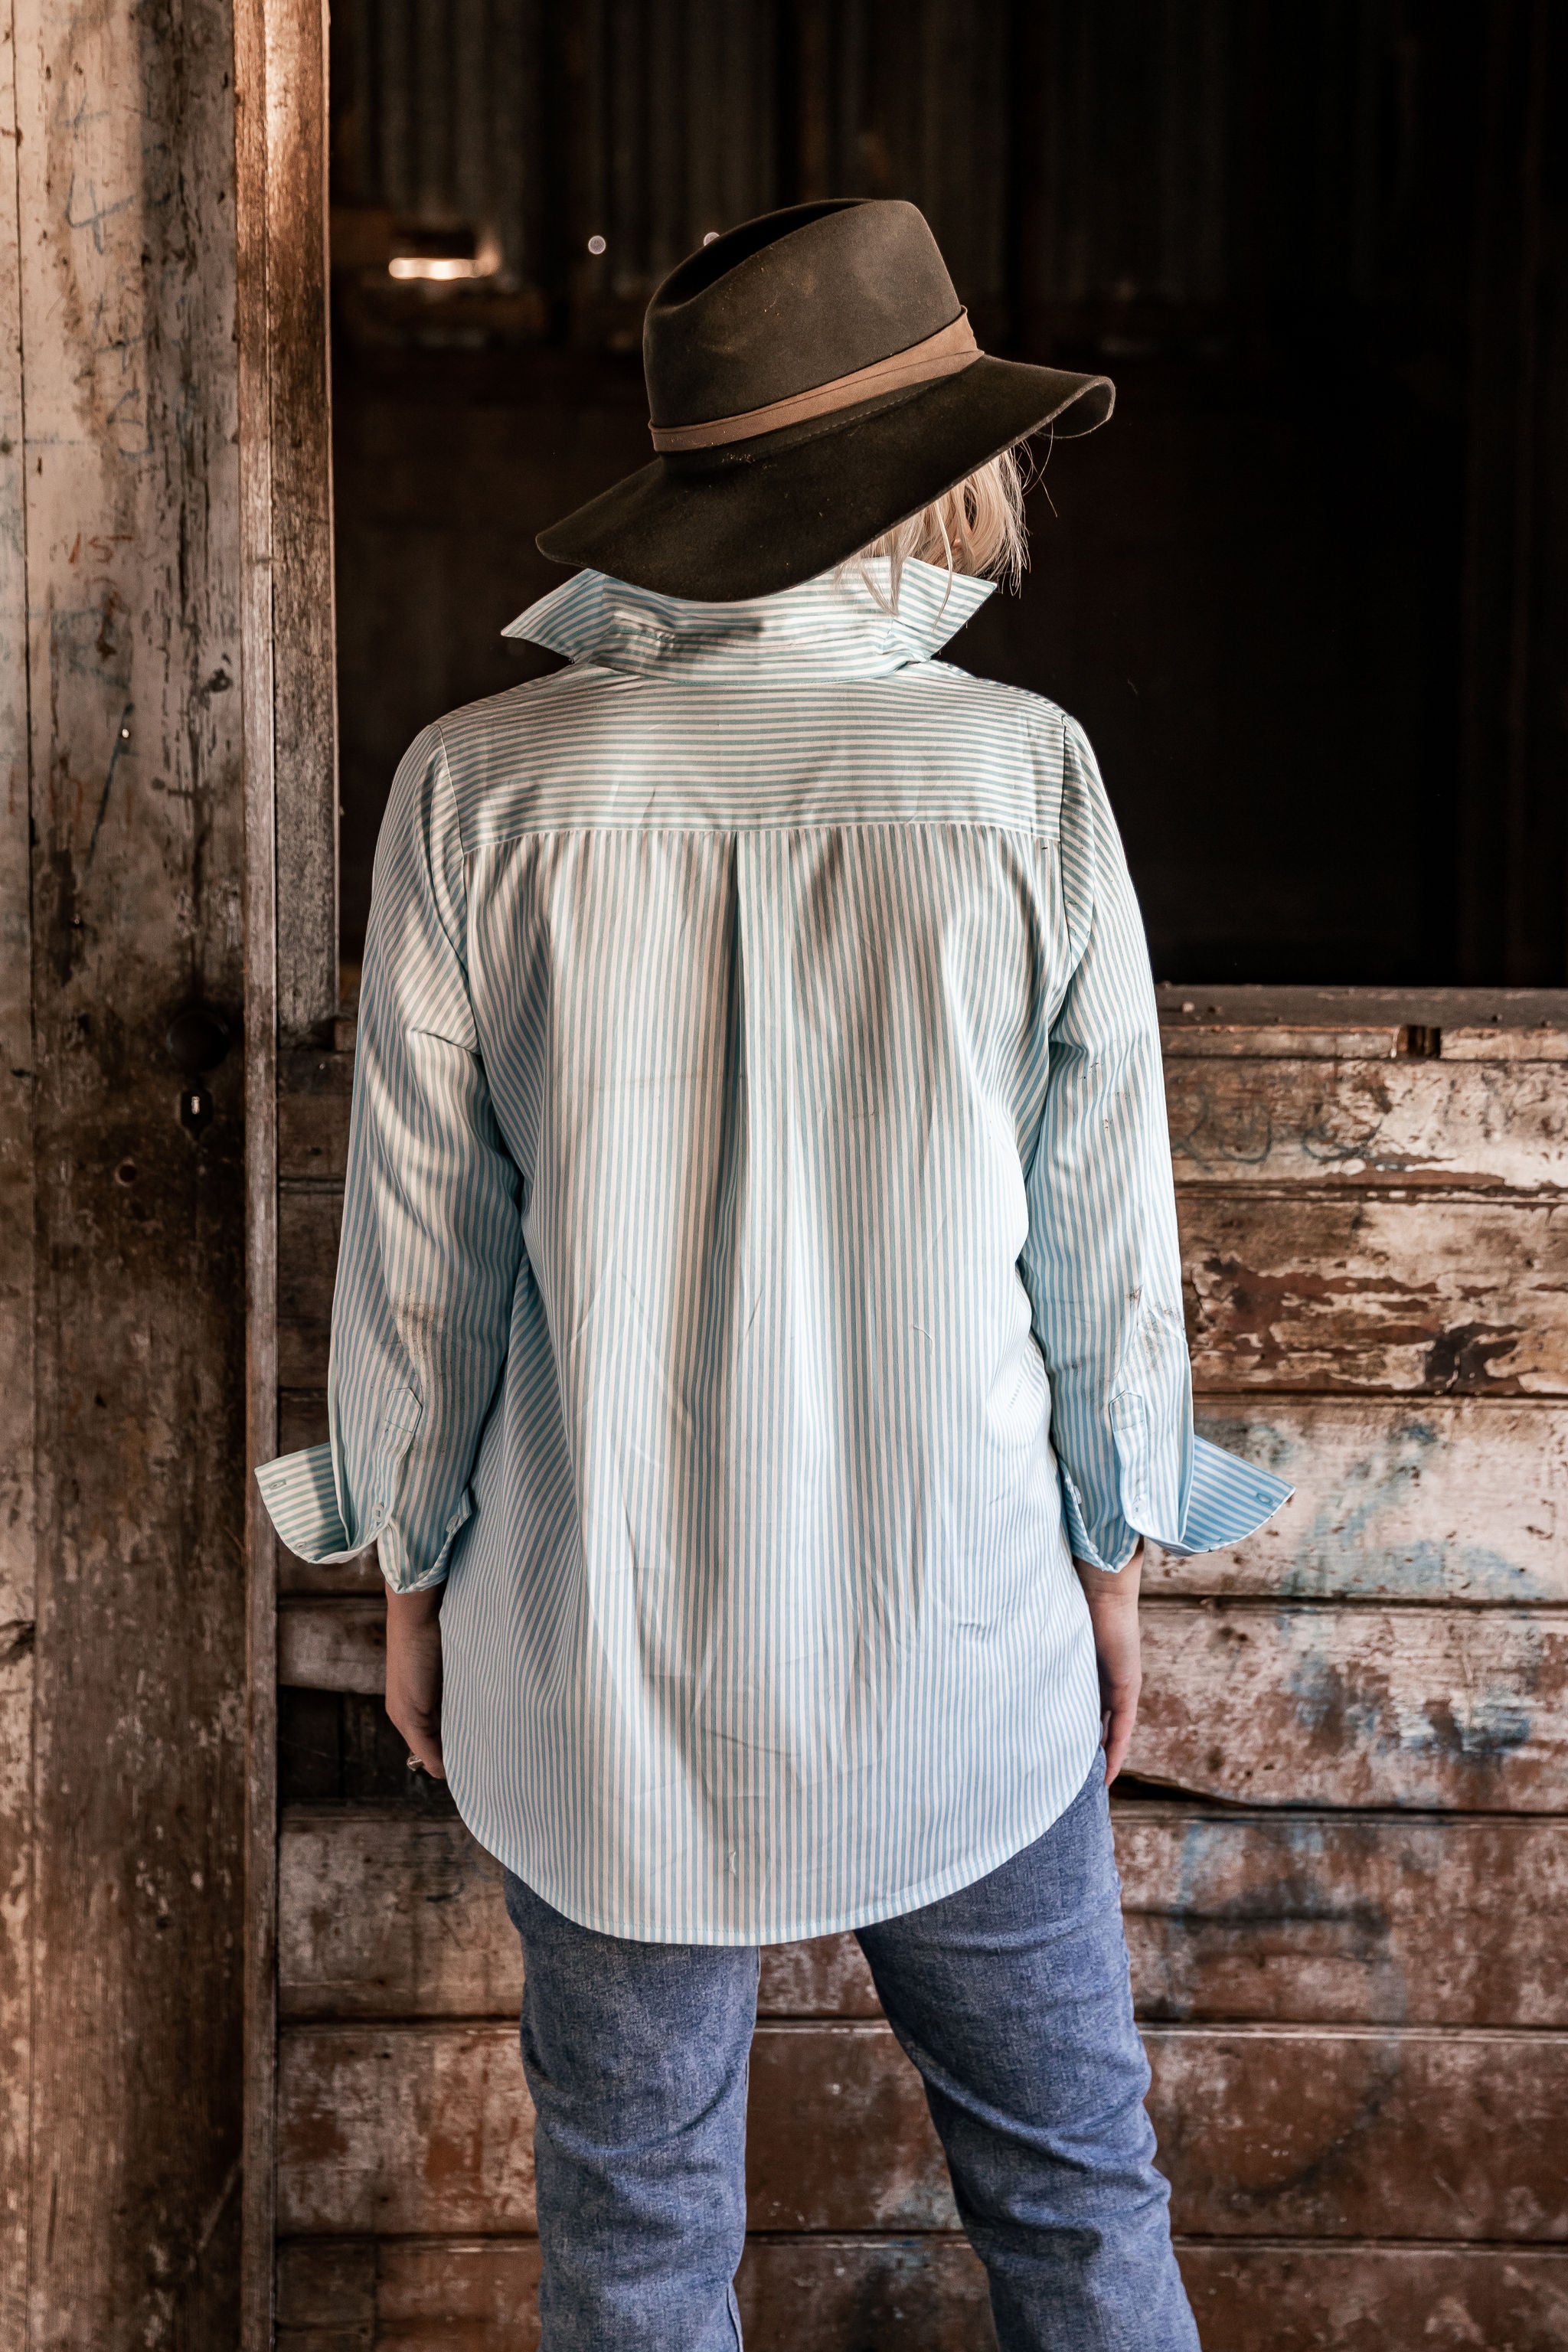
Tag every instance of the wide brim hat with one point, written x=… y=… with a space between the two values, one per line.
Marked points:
x=812 y=380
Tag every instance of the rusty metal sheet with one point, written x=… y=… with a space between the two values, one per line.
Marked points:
x=1264 y=2131
x=1296 y=1917
x=1419 y=1295
x=1431 y=1499
x=1463 y=1126
x=1357 y=1705
x=928 y=2295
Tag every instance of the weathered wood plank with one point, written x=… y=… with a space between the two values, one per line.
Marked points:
x=309 y=1223
x=928 y=2295
x=381 y=1917
x=1301 y=2297
x=1288 y=1291
x=1458 y=1710
x=1418 y=1295
x=1503 y=1023
x=1264 y=2131
x=125 y=178
x=253 y=341
x=314 y=1088
x=1545 y=1042
x=1463 y=1126
x=402 y=2129
x=305 y=664
x=337 y=1645
x=18 y=1569
x=1431 y=1499
x=1322 y=1917
x=1291 y=1916
x=1453 y=1709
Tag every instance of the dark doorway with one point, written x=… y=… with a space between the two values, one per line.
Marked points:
x=1300 y=590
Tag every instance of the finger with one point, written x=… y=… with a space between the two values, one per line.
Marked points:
x=1120 y=1720
x=423 y=1738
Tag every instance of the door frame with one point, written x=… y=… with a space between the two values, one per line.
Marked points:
x=289 y=731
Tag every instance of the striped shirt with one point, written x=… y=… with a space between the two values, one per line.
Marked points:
x=758 y=1267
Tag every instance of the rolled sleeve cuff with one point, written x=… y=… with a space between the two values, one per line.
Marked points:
x=300 y=1492
x=1227 y=1498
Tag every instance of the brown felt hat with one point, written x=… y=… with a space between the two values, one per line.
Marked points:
x=812 y=380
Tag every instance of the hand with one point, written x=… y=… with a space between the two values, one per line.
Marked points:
x=1113 y=1612
x=413 y=1673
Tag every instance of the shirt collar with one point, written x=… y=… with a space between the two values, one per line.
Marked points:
x=833 y=623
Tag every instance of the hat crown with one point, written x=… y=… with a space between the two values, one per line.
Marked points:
x=790 y=301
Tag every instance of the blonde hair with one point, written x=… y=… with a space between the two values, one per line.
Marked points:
x=976 y=527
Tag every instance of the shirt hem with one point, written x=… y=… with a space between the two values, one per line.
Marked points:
x=949 y=1881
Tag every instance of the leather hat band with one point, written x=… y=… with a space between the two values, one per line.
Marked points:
x=947 y=352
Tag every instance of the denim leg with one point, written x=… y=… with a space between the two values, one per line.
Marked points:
x=637 y=2058
x=1013 y=1998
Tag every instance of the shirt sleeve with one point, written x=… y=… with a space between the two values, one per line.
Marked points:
x=1101 y=1264
x=432 y=1232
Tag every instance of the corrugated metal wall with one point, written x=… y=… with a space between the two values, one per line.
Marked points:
x=1089 y=156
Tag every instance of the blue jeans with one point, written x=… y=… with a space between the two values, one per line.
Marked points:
x=1010 y=1997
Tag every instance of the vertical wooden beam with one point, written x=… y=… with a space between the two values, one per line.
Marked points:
x=17 y=1571
x=304 y=680
x=290 y=697
x=255 y=389
x=125 y=180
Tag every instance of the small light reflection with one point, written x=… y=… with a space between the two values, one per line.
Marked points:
x=442 y=265
x=595 y=245
x=711 y=237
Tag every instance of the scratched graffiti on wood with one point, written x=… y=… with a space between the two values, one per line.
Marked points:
x=1457 y=1125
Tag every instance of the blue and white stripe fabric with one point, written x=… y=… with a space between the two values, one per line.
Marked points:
x=759 y=1262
